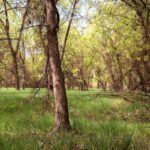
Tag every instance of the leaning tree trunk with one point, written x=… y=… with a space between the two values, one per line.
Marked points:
x=61 y=104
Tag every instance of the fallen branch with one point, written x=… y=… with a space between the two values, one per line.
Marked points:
x=126 y=98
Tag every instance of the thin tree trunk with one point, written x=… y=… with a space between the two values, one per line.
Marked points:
x=61 y=104
x=23 y=59
x=47 y=71
x=68 y=28
x=14 y=51
x=16 y=73
x=120 y=73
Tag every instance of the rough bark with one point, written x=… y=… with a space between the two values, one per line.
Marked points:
x=61 y=104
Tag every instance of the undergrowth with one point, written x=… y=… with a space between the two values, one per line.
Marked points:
x=102 y=123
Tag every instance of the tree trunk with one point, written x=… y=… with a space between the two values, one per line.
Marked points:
x=68 y=28
x=61 y=104
x=13 y=51
x=120 y=73
x=16 y=73
x=23 y=60
x=143 y=12
x=47 y=76
x=108 y=60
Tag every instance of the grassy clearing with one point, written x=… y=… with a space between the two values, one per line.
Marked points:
x=103 y=123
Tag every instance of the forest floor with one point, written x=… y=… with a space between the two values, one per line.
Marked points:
x=98 y=123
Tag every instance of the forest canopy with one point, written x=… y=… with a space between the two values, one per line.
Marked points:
x=107 y=44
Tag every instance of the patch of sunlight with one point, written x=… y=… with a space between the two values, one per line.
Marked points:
x=119 y=102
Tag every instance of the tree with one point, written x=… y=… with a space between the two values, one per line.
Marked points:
x=142 y=9
x=61 y=104
x=14 y=51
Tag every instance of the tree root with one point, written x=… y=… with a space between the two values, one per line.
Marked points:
x=56 y=130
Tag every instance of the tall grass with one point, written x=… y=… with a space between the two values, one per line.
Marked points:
x=97 y=124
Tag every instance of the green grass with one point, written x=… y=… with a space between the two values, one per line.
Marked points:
x=101 y=123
